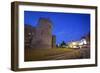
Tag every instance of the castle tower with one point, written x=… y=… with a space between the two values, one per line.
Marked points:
x=43 y=34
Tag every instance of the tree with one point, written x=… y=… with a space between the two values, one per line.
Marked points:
x=62 y=44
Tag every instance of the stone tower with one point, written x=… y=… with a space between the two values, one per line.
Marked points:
x=43 y=37
x=53 y=41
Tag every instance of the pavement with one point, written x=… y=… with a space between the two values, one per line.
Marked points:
x=76 y=54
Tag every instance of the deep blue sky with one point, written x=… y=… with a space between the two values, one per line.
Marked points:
x=66 y=26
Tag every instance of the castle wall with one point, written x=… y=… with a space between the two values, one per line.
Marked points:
x=29 y=33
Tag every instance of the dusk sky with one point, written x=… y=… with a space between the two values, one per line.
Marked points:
x=66 y=26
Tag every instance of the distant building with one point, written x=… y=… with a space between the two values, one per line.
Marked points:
x=40 y=36
x=74 y=44
x=87 y=39
x=84 y=42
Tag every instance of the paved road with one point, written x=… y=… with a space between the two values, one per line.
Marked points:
x=76 y=54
